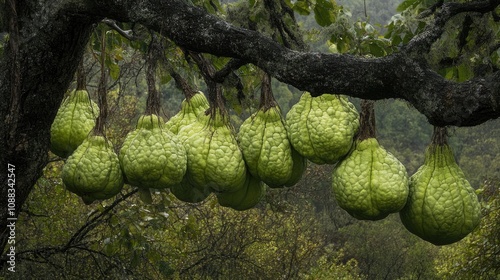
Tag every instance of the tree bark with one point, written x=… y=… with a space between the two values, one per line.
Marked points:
x=53 y=34
x=50 y=45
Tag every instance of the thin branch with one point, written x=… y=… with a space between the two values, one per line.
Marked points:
x=422 y=42
x=128 y=34
x=92 y=223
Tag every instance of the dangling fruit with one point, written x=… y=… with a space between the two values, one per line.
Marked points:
x=214 y=157
x=93 y=171
x=152 y=156
x=442 y=206
x=265 y=146
x=299 y=167
x=74 y=121
x=244 y=198
x=370 y=183
x=322 y=128
x=190 y=110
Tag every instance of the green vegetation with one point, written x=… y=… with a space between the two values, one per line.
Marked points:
x=236 y=228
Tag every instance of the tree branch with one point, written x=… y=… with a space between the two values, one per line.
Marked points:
x=443 y=102
x=423 y=42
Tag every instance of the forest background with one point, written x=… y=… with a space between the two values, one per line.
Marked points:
x=294 y=233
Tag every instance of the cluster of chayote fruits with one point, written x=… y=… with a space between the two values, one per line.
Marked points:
x=195 y=154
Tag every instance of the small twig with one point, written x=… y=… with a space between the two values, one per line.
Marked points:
x=92 y=223
x=129 y=34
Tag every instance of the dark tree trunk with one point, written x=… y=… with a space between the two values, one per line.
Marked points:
x=49 y=47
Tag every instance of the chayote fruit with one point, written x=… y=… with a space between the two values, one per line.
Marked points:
x=442 y=207
x=322 y=128
x=246 y=197
x=74 y=121
x=214 y=157
x=93 y=170
x=299 y=167
x=265 y=146
x=370 y=183
x=152 y=156
x=190 y=110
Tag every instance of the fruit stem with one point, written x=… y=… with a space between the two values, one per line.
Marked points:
x=267 y=100
x=153 y=101
x=440 y=136
x=367 y=120
x=80 y=77
x=101 y=91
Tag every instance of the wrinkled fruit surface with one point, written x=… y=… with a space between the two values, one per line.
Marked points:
x=246 y=197
x=74 y=120
x=152 y=156
x=93 y=171
x=190 y=110
x=442 y=206
x=322 y=128
x=214 y=157
x=265 y=146
x=370 y=183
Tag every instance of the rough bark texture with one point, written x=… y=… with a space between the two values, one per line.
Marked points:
x=53 y=34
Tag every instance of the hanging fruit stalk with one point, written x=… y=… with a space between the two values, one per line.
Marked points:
x=369 y=183
x=442 y=206
x=194 y=104
x=265 y=145
x=93 y=171
x=75 y=119
x=152 y=157
x=214 y=158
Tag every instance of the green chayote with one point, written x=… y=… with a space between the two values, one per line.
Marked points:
x=265 y=146
x=152 y=156
x=246 y=197
x=214 y=157
x=370 y=183
x=74 y=121
x=190 y=110
x=322 y=128
x=442 y=206
x=93 y=170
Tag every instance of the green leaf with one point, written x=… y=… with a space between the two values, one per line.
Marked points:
x=302 y=7
x=407 y=4
x=324 y=12
x=376 y=49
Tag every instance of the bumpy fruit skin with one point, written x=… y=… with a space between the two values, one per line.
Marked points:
x=370 y=183
x=93 y=171
x=152 y=156
x=190 y=110
x=442 y=206
x=214 y=157
x=299 y=167
x=74 y=121
x=246 y=197
x=265 y=146
x=322 y=128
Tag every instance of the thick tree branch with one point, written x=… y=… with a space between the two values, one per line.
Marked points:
x=423 y=42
